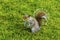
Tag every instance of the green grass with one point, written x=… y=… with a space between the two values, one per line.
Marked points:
x=11 y=24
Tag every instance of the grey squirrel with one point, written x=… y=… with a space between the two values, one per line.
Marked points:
x=34 y=22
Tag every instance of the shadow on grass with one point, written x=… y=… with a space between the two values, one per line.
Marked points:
x=27 y=29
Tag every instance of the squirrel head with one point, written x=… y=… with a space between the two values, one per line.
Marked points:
x=26 y=16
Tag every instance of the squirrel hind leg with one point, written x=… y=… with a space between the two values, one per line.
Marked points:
x=35 y=29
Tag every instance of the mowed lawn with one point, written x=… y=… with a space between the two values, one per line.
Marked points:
x=11 y=21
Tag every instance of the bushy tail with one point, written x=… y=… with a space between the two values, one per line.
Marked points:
x=38 y=16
